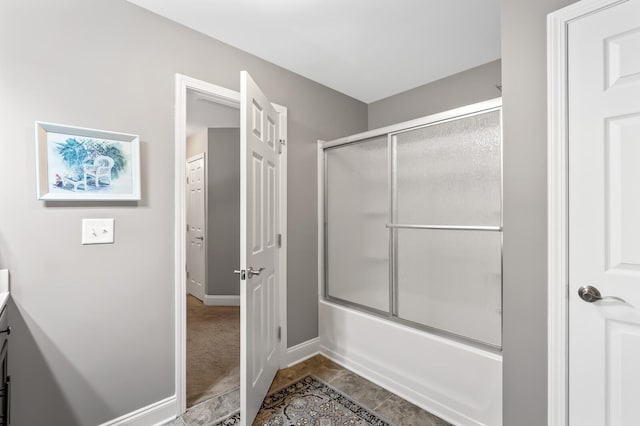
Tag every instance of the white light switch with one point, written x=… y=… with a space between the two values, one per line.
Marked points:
x=97 y=231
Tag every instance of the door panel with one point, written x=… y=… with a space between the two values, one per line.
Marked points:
x=623 y=61
x=258 y=324
x=623 y=353
x=196 y=249
x=257 y=199
x=259 y=357
x=604 y=216
x=271 y=321
x=623 y=197
x=271 y=205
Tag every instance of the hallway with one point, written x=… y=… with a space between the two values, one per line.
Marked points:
x=213 y=350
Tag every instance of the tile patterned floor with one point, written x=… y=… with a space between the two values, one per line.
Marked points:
x=366 y=393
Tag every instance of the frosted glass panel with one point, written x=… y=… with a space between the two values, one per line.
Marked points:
x=449 y=173
x=357 y=212
x=451 y=280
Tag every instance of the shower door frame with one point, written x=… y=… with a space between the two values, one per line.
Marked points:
x=391 y=131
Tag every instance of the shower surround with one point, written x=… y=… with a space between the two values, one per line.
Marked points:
x=411 y=270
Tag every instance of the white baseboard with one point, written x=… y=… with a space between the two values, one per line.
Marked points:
x=155 y=414
x=211 y=300
x=303 y=351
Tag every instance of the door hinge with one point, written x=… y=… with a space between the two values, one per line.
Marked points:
x=279 y=333
x=187 y=274
x=187 y=179
x=279 y=240
x=280 y=145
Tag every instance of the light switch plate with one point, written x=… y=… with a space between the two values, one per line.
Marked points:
x=97 y=231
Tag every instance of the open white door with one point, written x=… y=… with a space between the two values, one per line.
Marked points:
x=196 y=249
x=259 y=313
x=604 y=216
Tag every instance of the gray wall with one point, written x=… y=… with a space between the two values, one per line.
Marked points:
x=525 y=209
x=467 y=87
x=93 y=325
x=223 y=191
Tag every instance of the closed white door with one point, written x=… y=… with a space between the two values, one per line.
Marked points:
x=604 y=217
x=196 y=230
x=259 y=176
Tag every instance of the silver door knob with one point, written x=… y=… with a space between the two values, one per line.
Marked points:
x=251 y=272
x=589 y=294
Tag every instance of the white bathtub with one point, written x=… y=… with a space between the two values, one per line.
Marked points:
x=460 y=383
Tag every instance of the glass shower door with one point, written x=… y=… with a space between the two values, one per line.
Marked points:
x=356 y=211
x=413 y=225
x=447 y=239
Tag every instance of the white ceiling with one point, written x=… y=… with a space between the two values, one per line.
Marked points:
x=367 y=49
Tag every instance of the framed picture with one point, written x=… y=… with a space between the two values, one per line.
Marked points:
x=74 y=163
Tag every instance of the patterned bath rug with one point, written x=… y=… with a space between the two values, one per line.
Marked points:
x=311 y=402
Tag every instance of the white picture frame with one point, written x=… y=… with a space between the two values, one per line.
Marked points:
x=80 y=164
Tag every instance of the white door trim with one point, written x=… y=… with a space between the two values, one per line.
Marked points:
x=282 y=289
x=557 y=205
x=230 y=98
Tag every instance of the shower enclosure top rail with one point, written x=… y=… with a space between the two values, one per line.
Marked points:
x=446 y=227
x=433 y=119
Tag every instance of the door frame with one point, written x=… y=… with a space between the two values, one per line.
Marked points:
x=558 y=206
x=230 y=98
x=203 y=156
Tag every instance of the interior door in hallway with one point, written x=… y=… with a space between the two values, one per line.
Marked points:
x=604 y=216
x=196 y=249
x=259 y=197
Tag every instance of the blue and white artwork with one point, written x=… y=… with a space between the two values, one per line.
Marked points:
x=76 y=163
x=80 y=164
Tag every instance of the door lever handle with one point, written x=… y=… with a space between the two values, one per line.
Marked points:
x=591 y=294
x=248 y=273
x=200 y=238
x=251 y=272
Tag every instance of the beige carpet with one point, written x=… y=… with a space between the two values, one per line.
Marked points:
x=213 y=350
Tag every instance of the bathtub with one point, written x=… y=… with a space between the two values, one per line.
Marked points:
x=453 y=380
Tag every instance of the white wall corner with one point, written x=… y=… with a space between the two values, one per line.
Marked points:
x=303 y=351
x=4 y=280
x=155 y=414
x=211 y=300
